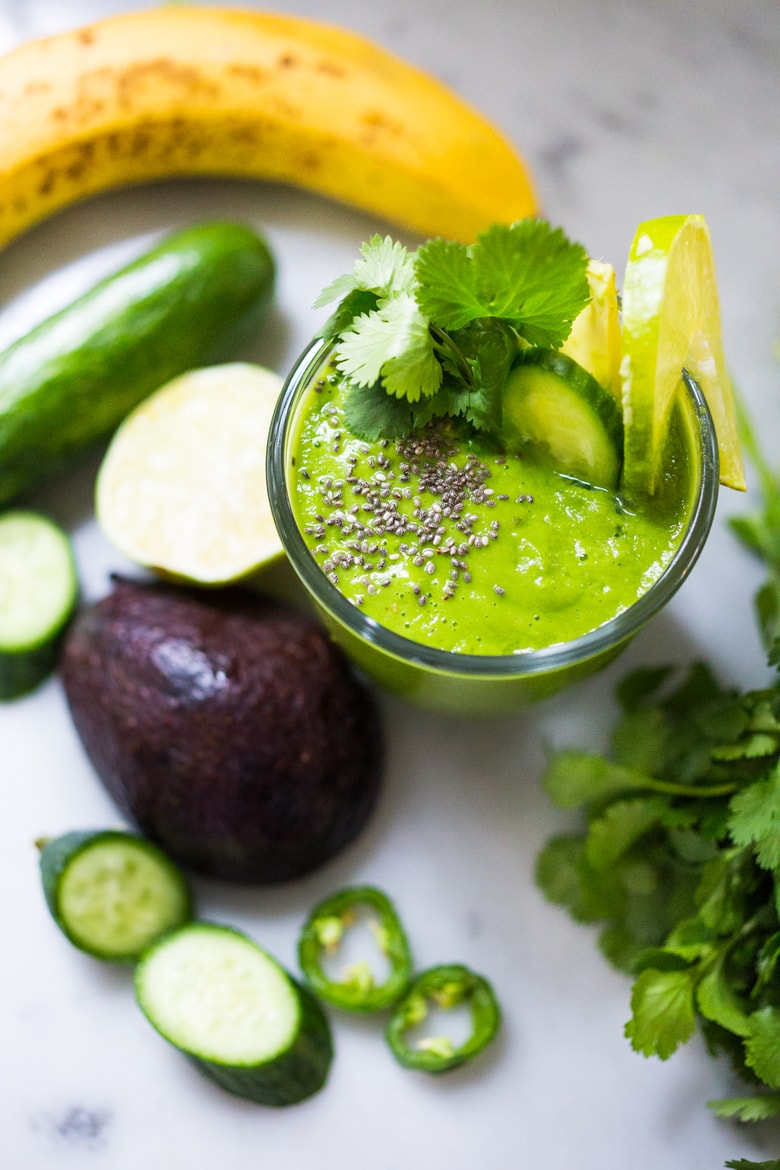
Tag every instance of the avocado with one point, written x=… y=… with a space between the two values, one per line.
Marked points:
x=226 y=726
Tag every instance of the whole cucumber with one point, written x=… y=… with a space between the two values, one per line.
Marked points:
x=190 y=301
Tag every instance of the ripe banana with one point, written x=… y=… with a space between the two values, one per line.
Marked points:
x=182 y=91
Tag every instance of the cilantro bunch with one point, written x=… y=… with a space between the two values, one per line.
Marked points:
x=678 y=862
x=433 y=333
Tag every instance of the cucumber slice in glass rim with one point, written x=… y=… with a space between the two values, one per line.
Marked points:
x=553 y=403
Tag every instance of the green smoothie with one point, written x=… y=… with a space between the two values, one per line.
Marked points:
x=451 y=541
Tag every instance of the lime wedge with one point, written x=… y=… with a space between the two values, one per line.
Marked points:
x=671 y=320
x=594 y=341
x=182 y=488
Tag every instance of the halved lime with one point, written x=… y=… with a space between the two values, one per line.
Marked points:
x=671 y=320
x=182 y=485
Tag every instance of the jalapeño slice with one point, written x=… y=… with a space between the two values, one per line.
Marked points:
x=357 y=987
x=445 y=988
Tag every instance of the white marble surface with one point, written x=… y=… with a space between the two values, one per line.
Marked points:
x=625 y=109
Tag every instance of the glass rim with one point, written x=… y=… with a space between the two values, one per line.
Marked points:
x=593 y=643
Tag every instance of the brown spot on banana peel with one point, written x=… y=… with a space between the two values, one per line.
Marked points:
x=332 y=69
x=248 y=72
x=190 y=90
x=181 y=82
x=377 y=125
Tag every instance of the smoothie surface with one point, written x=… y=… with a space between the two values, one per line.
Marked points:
x=451 y=542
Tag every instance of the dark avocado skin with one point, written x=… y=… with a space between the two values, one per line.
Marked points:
x=227 y=728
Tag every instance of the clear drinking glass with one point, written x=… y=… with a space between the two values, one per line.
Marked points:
x=470 y=684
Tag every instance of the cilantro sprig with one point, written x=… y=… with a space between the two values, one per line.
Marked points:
x=759 y=532
x=433 y=333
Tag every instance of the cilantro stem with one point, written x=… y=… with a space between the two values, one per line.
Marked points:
x=750 y=442
x=694 y=790
x=445 y=342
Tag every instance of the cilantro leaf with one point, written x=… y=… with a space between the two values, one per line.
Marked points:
x=618 y=944
x=354 y=304
x=746 y=1164
x=761 y=1107
x=755 y=819
x=697 y=689
x=564 y=876
x=371 y=414
x=762 y=1046
x=753 y=747
x=534 y=277
x=637 y=688
x=619 y=827
x=768 y=962
x=412 y=372
x=337 y=290
x=385 y=268
x=662 y=1003
x=392 y=345
x=478 y=405
x=573 y=777
x=528 y=274
x=641 y=739
x=716 y=1000
x=674 y=956
x=445 y=284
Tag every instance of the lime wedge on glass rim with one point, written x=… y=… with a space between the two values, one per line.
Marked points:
x=594 y=341
x=181 y=488
x=671 y=320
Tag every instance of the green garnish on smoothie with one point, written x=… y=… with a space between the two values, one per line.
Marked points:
x=434 y=334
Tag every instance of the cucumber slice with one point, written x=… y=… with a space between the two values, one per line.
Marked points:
x=225 y=1003
x=38 y=593
x=555 y=404
x=111 y=892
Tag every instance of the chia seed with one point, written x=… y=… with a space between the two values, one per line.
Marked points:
x=441 y=513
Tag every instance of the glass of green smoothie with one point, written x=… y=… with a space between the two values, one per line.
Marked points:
x=468 y=578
